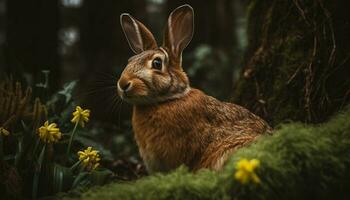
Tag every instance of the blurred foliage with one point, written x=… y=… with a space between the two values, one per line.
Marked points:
x=210 y=68
x=16 y=105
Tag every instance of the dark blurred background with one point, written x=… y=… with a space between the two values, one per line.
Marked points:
x=66 y=40
x=75 y=39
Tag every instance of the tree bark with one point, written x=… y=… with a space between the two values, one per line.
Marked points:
x=297 y=63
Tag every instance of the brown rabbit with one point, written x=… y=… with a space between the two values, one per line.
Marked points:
x=173 y=123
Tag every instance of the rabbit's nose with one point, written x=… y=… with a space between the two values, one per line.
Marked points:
x=124 y=85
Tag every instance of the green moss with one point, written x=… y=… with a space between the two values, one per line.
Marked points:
x=297 y=162
x=282 y=103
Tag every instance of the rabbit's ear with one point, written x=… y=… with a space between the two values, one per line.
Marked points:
x=179 y=31
x=139 y=37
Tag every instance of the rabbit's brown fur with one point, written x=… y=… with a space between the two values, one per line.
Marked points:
x=196 y=130
x=173 y=123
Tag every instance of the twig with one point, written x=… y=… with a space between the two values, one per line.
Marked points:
x=294 y=74
x=301 y=11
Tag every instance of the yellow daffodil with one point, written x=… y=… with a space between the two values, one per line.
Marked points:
x=4 y=132
x=246 y=171
x=89 y=158
x=80 y=116
x=49 y=132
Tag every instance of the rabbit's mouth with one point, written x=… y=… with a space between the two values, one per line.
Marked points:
x=151 y=98
x=136 y=100
x=135 y=94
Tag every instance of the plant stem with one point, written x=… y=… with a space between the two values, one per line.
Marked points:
x=71 y=139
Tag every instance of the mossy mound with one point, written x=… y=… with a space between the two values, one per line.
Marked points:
x=297 y=162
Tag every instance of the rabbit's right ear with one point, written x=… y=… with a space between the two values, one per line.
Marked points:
x=139 y=37
x=179 y=31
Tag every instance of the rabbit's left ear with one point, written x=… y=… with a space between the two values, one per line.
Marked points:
x=179 y=31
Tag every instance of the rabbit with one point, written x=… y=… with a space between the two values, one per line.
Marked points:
x=173 y=123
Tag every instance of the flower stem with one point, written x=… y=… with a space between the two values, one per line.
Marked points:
x=71 y=139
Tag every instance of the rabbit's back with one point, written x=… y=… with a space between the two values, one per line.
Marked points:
x=196 y=130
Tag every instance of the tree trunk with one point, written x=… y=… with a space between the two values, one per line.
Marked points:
x=297 y=63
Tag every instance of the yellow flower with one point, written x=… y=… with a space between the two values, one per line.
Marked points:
x=4 y=132
x=89 y=158
x=246 y=171
x=49 y=132
x=80 y=116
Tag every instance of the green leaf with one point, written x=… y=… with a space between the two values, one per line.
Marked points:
x=68 y=90
x=62 y=97
x=25 y=144
x=101 y=177
x=97 y=177
x=60 y=178
x=82 y=180
x=26 y=128
x=37 y=173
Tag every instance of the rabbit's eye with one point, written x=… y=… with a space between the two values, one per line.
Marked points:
x=157 y=64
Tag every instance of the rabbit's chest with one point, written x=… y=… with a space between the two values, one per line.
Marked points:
x=165 y=144
x=161 y=148
x=169 y=135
